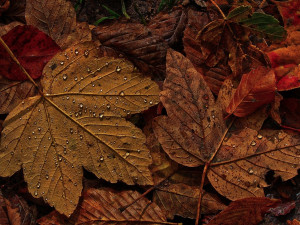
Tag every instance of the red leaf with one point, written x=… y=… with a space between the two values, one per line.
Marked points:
x=248 y=211
x=255 y=89
x=33 y=49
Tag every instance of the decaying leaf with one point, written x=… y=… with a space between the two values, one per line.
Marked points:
x=15 y=12
x=248 y=211
x=3 y=211
x=79 y=122
x=139 y=43
x=181 y=199
x=32 y=48
x=243 y=156
x=13 y=93
x=102 y=206
x=289 y=113
x=57 y=19
x=169 y=25
x=289 y=11
x=191 y=111
x=256 y=89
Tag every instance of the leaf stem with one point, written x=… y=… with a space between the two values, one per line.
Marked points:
x=206 y=169
x=19 y=64
x=220 y=10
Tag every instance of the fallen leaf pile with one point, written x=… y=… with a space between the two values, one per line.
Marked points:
x=193 y=115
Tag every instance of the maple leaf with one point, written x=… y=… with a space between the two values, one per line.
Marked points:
x=57 y=19
x=245 y=211
x=78 y=121
x=239 y=157
x=13 y=93
x=33 y=49
x=101 y=206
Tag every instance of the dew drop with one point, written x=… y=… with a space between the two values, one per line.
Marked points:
x=65 y=77
x=250 y=171
x=150 y=102
x=253 y=143
x=67 y=141
x=60 y=158
x=35 y=193
x=108 y=106
x=81 y=137
x=81 y=105
x=138 y=150
x=259 y=136
x=76 y=52
x=101 y=159
x=118 y=69
x=38 y=185
x=86 y=53
x=71 y=130
x=12 y=153
x=125 y=78
x=101 y=115
x=61 y=63
x=29 y=137
x=122 y=93
x=75 y=78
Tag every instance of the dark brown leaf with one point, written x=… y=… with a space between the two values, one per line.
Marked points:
x=139 y=43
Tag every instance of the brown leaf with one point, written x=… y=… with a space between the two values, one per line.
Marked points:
x=181 y=199
x=57 y=18
x=79 y=122
x=191 y=111
x=102 y=206
x=192 y=47
x=4 y=29
x=256 y=89
x=13 y=93
x=170 y=26
x=220 y=39
x=15 y=12
x=243 y=155
x=248 y=211
x=139 y=43
x=289 y=113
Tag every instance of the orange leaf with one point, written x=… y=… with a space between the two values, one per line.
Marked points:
x=256 y=88
x=248 y=211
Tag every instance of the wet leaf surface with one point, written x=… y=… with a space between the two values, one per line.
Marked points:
x=79 y=123
x=243 y=157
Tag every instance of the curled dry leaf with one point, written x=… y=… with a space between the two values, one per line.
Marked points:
x=139 y=43
x=102 y=206
x=248 y=211
x=13 y=93
x=289 y=113
x=4 y=29
x=57 y=18
x=169 y=25
x=244 y=155
x=79 y=122
x=32 y=48
x=181 y=199
x=256 y=89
